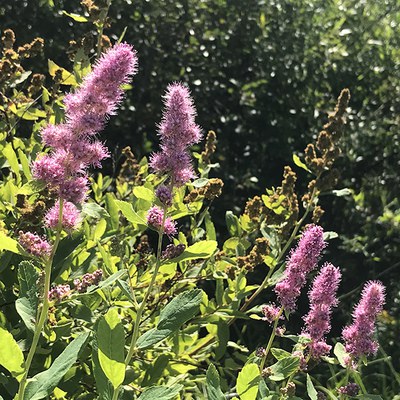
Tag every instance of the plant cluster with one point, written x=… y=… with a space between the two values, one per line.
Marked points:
x=119 y=287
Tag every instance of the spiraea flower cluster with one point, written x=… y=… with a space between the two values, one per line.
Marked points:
x=73 y=144
x=358 y=336
x=351 y=389
x=178 y=131
x=322 y=298
x=59 y=292
x=302 y=260
x=34 y=244
x=82 y=284
x=271 y=313
x=156 y=219
x=70 y=216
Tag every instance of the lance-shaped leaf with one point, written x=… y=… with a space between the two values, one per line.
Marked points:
x=27 y=304
x=213 y=388
x=43 y=384
x=172 y=317
x=111 y=342
x=161 y=392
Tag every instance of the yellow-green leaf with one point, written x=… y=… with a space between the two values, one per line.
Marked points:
x=68 y=78
x=247 y=382
x=111 y=342
x=11 y=357
x=7 y=243
x=299 y=163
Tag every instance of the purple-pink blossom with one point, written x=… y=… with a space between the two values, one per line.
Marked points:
x=178 y=131
x=358 y=336
x=87 y=280
x=155 y=218
x=70 y=216
x=34 y=244
x=322 y=298
x=271 y=312
x=164 y=194
x=73 y=144
x=58 y=292
x=302 y=260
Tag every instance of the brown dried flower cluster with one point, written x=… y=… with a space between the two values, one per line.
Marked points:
x=130 y=169
x=143 y=250
x=256 y=255
x=279 y=207
x=210 y=191
x=209 y=148
x=95 y=8
x=320 y=157
x=11 y=69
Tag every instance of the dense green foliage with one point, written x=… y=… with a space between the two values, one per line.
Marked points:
x=263 y=75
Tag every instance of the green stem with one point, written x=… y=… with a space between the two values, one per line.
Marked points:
x=101 y=28
x=45 y=307
x=264 y=283
x=135 y=334
x=271 y=340
x=357 y=378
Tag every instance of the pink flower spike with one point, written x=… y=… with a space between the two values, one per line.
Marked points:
x=70 y=216
x=178 y=131
x=322 y=298
x=302 y=260
x=73 y=143
x=358 y=336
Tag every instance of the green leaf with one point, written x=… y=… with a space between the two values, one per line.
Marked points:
x=68 y=78
x=223 y=338
x=143 y=193
x=103 y=385
x=43 y=384
x=12 y=159
x=341 y=354
x=76 y=17
x=161 y=392
x=27 y=304
x=156 y=371
x=312 y=393
x=94 y=210
x=129 y=213
x=109 y=281
x=328 y=235
x=299 y=163
x=201 y=182
x=9 y=244
x=280 y=353
x=213 y=388
x=247 y=382
x=233 y=224
x=11 y=357
x=151 y=337
x=283 y=368
x=202 y=249
x=25 y=164
x=182 y=308
x=263 y=390
x=111 y=342
x=369 y=397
